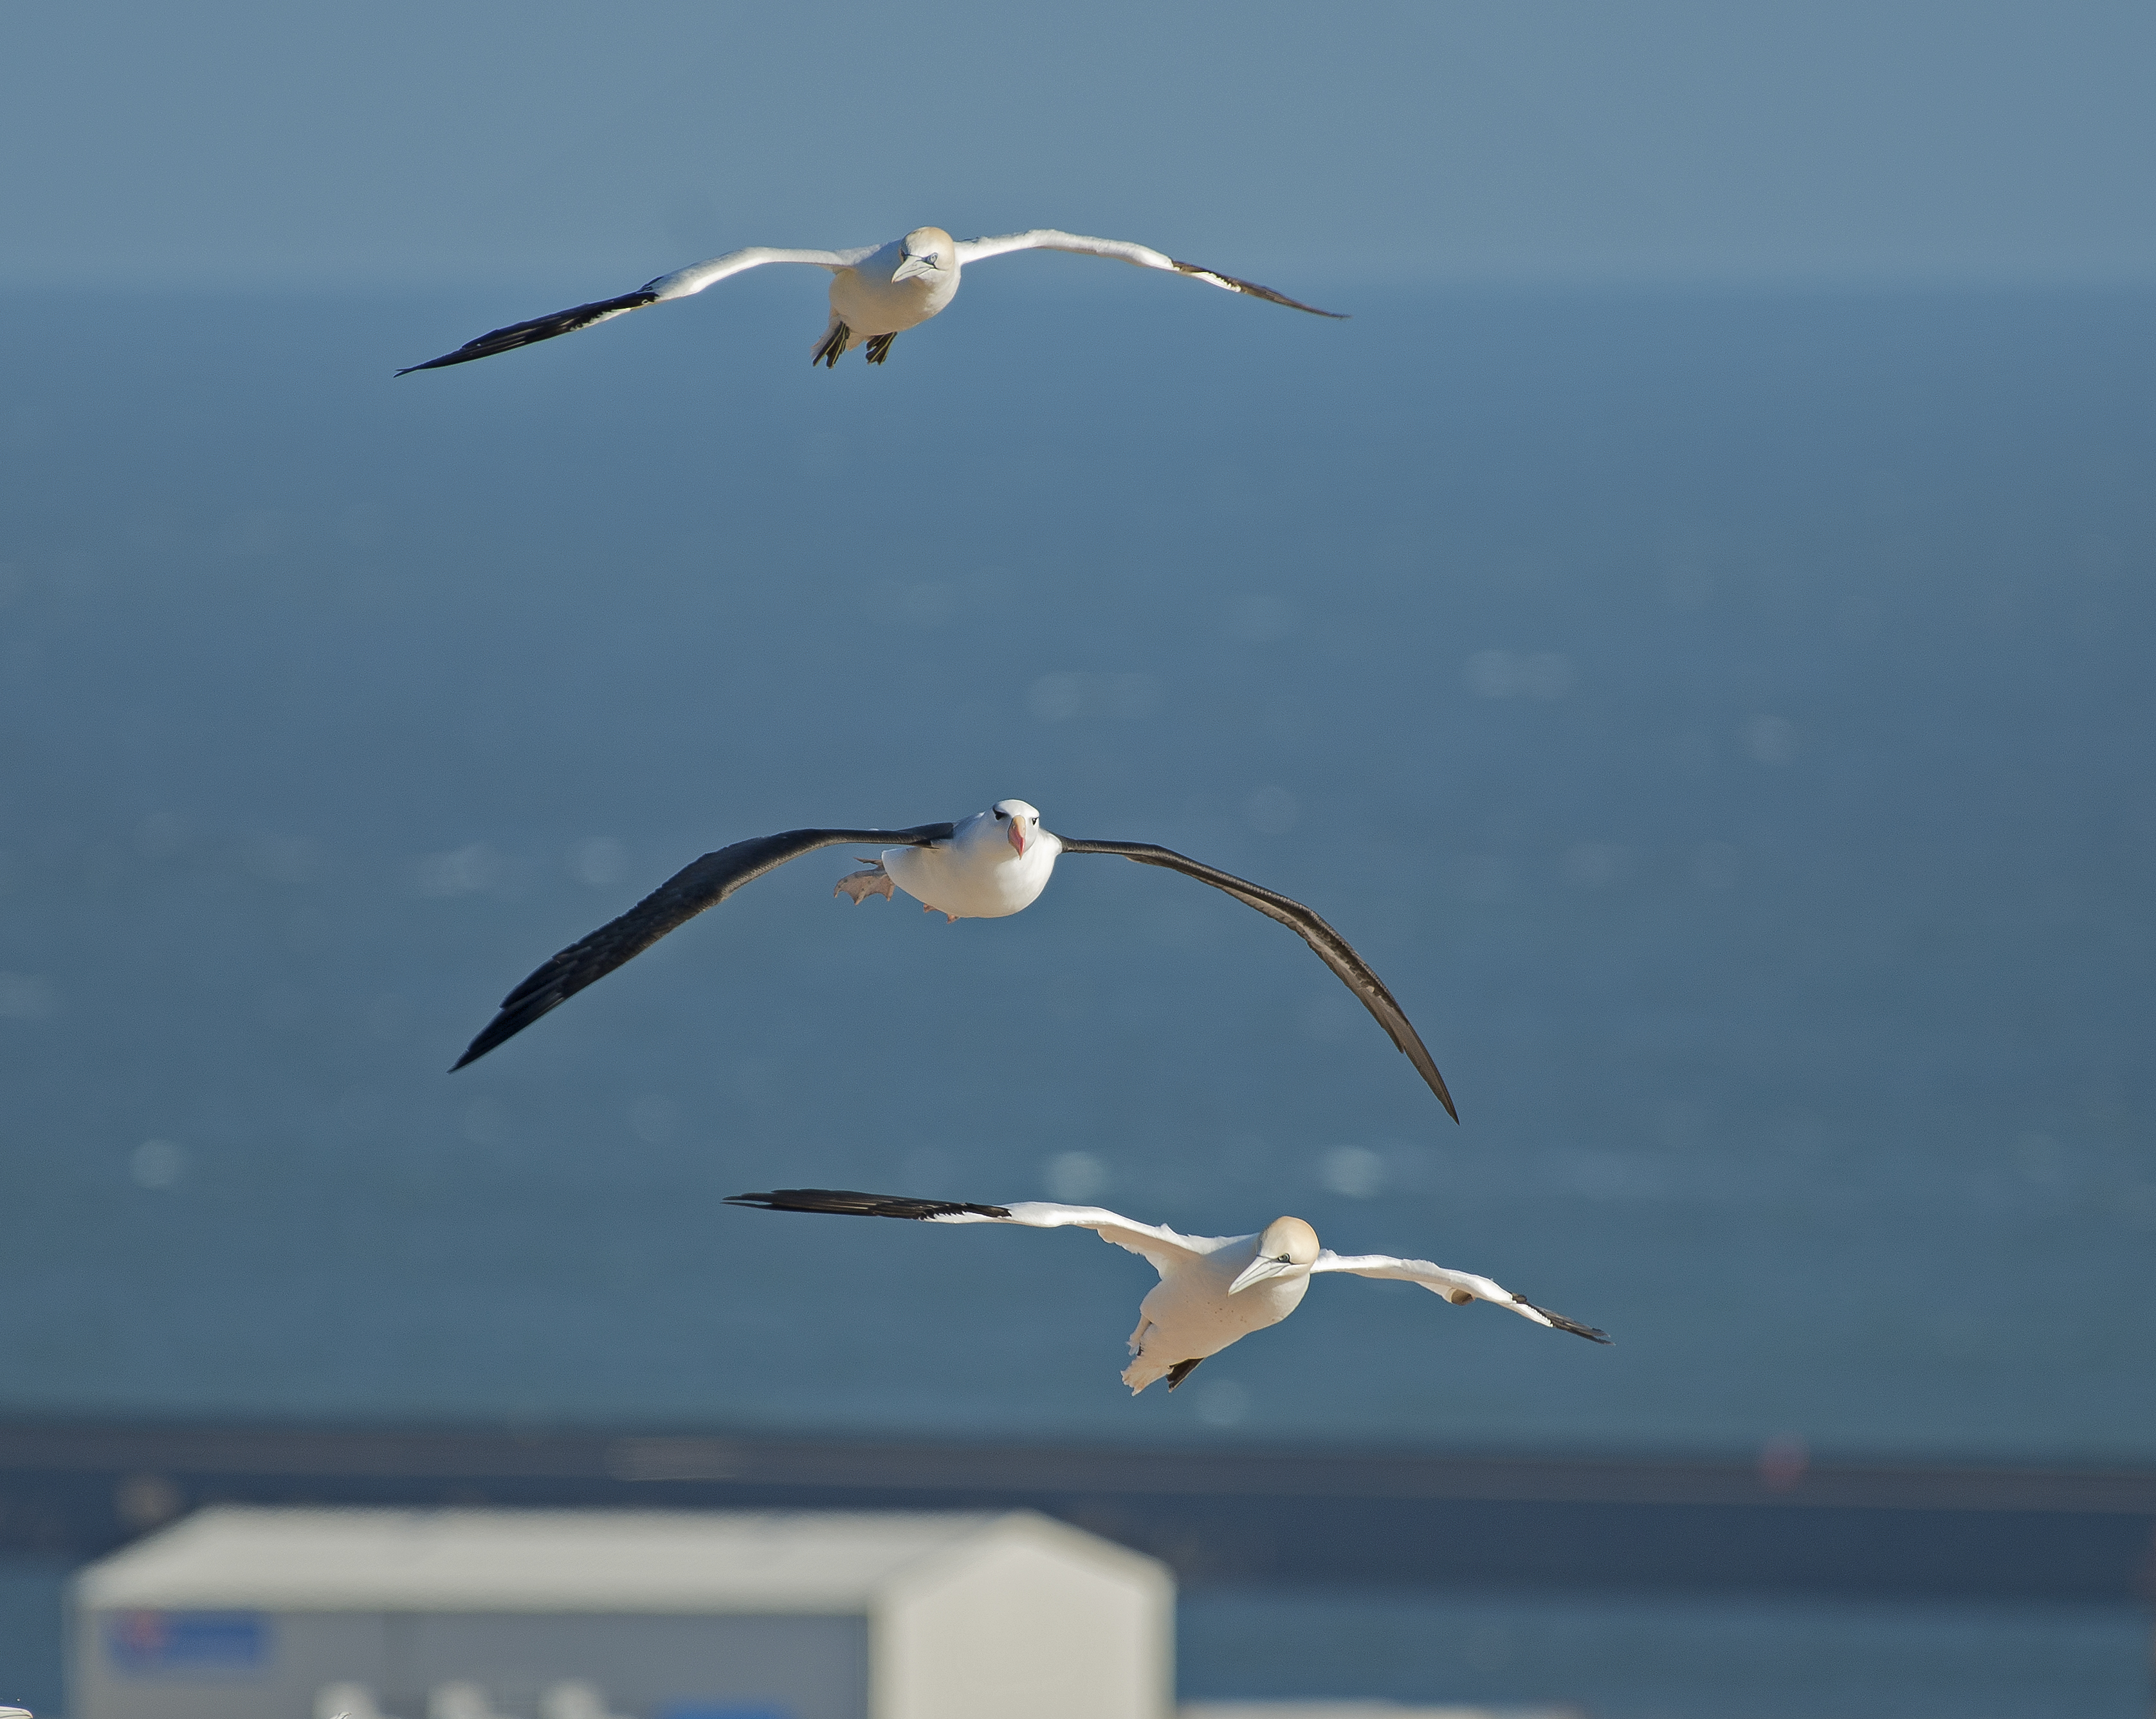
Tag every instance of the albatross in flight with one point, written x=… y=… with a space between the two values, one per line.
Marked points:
x=877 y=293
x=988 y=867
x=1213 y=1290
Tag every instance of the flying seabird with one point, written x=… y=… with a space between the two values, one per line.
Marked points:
x=988 y=867
x=877 y=291
x=1213 y=1290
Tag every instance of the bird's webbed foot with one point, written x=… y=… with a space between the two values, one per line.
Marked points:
x=875 y=881
x=877 y=347
x=834 y=348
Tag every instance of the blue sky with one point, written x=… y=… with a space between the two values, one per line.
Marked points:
x=395 y=144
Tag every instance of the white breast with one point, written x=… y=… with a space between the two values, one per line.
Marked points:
x=867 y=301
x=977 y=880
x=1196 y=1316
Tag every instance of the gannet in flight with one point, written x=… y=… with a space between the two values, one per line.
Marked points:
x=1213 y=1290
x=988 y=867
x=877 y=293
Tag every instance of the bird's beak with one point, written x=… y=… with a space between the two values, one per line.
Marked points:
x=1256 y=1272
x=1018 y=836
x=911 y=266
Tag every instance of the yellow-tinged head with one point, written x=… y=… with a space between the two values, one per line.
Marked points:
x=926 y=250
x=1287 y=1246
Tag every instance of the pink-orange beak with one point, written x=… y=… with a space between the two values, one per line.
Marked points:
x=1018 y=836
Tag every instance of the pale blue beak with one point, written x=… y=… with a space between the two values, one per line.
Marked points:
x=1256 y=1272
x=911 y=266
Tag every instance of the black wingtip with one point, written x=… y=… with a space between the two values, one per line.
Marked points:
x=1423 y=1066
x=1251 y=289
x=461 y=356
x=481 y=1046
x=1590 y=1332
x=849 y=1202
x=541 y=994
x=499 y=1032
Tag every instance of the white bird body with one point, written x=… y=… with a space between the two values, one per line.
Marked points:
x=873 y=296
x=995 y=864
x=989 y=865
x=1213 y=1290
x=1194 y=1310
x=878 y=291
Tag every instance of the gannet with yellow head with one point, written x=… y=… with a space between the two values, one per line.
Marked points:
x=878 y=291
x=1213 y=1290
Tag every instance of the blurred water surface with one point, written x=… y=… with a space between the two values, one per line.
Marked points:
x=1632 y=1657
x=1723 y=720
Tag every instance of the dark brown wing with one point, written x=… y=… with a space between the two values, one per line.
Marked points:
x=517 y=334
x=1333 y=948
x=705 y=884
x=845 y=1202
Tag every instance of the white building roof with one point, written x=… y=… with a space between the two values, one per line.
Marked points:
x=645 y=1562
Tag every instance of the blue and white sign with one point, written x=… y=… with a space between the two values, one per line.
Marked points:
x=152 y=1644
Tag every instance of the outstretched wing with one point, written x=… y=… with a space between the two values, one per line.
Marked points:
x=1333 y=948
x=702 y=884
x=1156 y=1242
x=680 y=284
x=974 y=250
x=1457 y=1287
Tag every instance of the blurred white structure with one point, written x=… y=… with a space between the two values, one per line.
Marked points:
x=250 y=1613
x=575 y=1700
x=461 y=1699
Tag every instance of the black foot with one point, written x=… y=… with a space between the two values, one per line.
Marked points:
x=834 y=347
x=1181 y=1371
x=877 y=347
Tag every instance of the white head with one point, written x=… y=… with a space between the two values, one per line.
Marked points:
x=1287 y=1248
x=926 y=250
x=1020 y=822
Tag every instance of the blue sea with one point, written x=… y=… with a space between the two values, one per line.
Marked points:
x=1724 y=719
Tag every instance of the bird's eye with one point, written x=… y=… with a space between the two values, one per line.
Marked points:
x=1284 y=1260
x=1001 y=814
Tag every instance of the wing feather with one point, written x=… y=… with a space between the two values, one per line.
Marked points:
x=1333 y=948
x=1457 y=1287
x=702 y=884
x=680 y=284
x=1156 y=1243
x=1144 y=256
